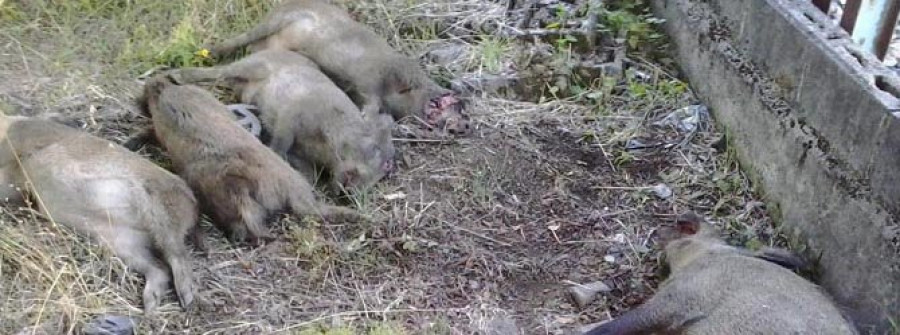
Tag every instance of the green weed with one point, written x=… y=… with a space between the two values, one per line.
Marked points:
x=379 y=328
x=492 y=51
x=10 y=12
x=623 y=158
x=183 y=49
x=632 y=20
x=320 y=330
x=387 y=328
x=129 y=37
x=308 y=245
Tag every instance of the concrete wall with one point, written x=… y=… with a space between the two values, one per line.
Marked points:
x=816 y=123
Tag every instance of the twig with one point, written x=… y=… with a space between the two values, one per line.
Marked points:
x=475 y=234
x=603 y=216
x=606 y=156
x=37 y=320
x=418 y=216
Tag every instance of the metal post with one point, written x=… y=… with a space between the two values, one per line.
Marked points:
x=872 y=23
x=851 y=11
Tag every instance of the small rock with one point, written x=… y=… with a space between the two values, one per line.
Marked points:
x=585 y=294
x=662 y=190
x=609 y=258
x=446 y=54
x=566 y=320
x=110 y=325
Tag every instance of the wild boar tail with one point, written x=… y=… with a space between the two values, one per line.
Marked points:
x=259 y=32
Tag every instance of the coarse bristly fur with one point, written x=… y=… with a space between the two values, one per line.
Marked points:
x=125 y=202
x=715 y=288
x=355 y=57
x=238 y=180
x=311 y=122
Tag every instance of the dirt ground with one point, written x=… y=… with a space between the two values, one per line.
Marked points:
x=579 y=153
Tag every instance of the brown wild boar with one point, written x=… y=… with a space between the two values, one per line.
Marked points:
x=715 y=288
x=237 y=179
x=120 y=199
x=380 y=78
x=242 y=114
x=311 y=121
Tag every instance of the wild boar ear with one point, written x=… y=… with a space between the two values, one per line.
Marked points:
x=782 y=257
x=688 y=223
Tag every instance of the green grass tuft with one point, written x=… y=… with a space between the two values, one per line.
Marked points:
x=130 y=37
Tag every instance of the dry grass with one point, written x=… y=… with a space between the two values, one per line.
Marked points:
x=471 y=235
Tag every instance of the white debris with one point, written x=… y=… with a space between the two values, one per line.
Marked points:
x=662 y=190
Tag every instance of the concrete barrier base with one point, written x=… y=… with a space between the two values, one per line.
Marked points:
x=815 y=121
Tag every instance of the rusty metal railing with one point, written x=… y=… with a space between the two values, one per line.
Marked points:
x=871 y=23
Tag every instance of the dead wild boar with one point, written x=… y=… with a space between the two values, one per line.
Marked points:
x=380 y=78
x=238 y=180
x=242 y=113
x=135 y=208
x=310 y=120
x=715 y=288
